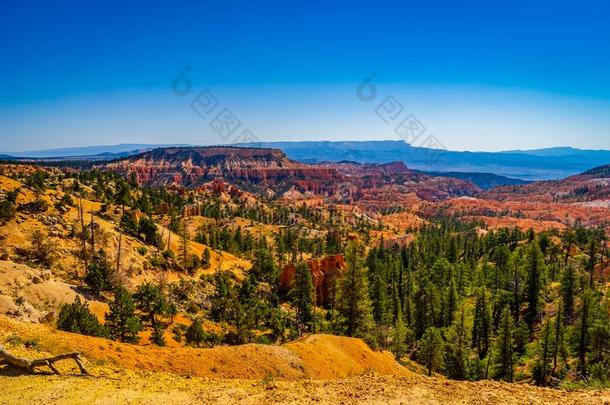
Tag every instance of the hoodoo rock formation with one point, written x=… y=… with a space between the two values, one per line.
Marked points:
x=324 y=271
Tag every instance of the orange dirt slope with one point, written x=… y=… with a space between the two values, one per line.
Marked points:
x=316 y=356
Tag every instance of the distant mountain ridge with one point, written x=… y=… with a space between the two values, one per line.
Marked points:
x=524 y=165
x=531 y=165
x=485 y=181
x=558 y=151
x=120 y=150
x=591 y=185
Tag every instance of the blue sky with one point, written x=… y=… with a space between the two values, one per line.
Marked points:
x=479 y=75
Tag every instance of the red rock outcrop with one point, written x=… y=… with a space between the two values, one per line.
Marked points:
x=251 y=169
x=323 y=271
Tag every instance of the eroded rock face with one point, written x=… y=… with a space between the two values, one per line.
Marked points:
x=323 y=273
x=193 y=166
x=269 y=172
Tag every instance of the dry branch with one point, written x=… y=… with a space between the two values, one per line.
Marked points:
x=31 y=364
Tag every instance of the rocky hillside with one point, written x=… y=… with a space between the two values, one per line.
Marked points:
x=270 y=173
x=583 y=199
x=194 y=166
x=592 y=185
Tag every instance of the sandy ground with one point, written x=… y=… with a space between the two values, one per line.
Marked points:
x=161 y=388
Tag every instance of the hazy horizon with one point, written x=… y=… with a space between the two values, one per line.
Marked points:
x=124 y=147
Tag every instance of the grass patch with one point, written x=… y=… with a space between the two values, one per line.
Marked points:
x=13 y=339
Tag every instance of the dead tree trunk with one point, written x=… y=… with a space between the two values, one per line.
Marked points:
x=92 y=235
x=30 y=364
x=118 y=255
x=83 y=236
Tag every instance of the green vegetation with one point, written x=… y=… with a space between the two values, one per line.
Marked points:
x=121 y=321
x=464 y=301
x=77 y=317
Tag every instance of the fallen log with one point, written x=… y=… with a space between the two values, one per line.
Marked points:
x=30 y=364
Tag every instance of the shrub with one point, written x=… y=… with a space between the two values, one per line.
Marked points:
x=205 y=258
x=43 y=250
x=99 y=273
x=34 y=207
x=148 y=227
x=7 y=210
x=77 y=318
x=195 y=333
x=66 y=199
x=128 y=224
x=13 y=339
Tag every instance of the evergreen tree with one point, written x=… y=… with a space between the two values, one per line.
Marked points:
x=7 y=210
x=534 y=264
x=599 y=342
x=583 y=335
x=504 y=347
x=99 y=273
x=264 y=268
x=452 y=302
x=205 y=258
x=148 y=227
x=521 y=336
x=122 y=195
x=129 y=223
x=457 y=351
x=558 y=340
x=544 y=355
x=399 y=336
x=152 y=303
x=568 y=281
x=353 y=299
x=481 y=328
x=77 y=318
x=195 y=333
x=516 y=283
x=184 y=249
x=431 y=350
x=590 y=267
x=302 y=294
x=378 y=289
x=121 y=320
x=157 y=336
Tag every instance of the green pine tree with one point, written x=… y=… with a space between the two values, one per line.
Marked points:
x=121 y=320
x=431 y=350
x=504 y=347
x=568 y=281
x=535 y=269
x=195 y=333
x=399 y=335
x=77 y=318
x=353 y=302
x=302 y=294
x=481 y=328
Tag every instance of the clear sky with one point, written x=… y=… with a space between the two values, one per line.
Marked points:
x=480 y=75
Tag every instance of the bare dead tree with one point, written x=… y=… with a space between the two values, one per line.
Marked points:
x=83 y=237
x=118 y=255
x=30 y=364
x=169 y=238
x=92 y=226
